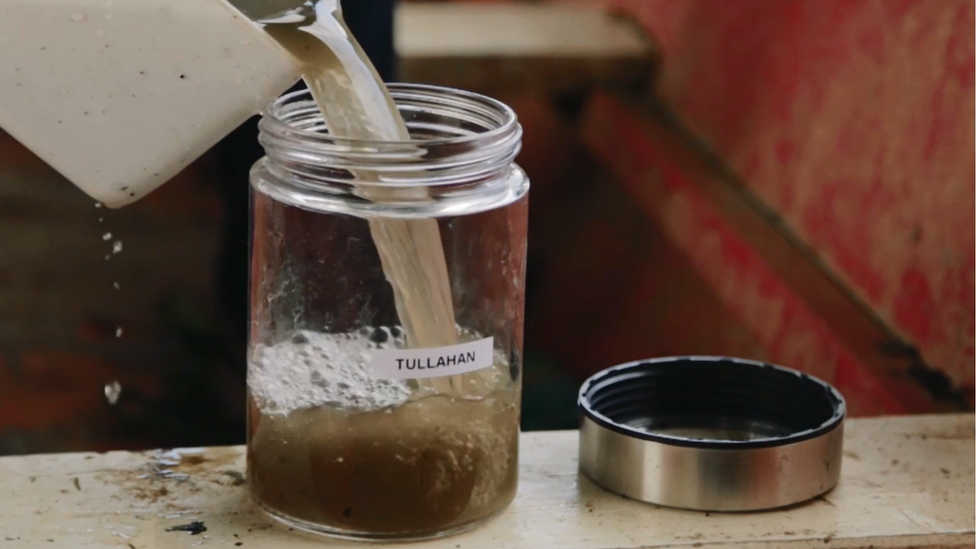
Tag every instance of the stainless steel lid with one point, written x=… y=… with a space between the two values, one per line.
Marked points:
x=712 y=434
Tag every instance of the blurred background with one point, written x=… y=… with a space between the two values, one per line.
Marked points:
x=790 y=181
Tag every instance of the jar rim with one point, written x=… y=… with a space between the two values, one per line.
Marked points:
x=507 y=119
x=472 y=168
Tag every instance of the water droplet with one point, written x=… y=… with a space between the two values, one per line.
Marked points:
x=101 y=219
x=117 y=246
x=107 y=236
x=78 y=17
x=116 y=286
x=98 y=204
x=118 y=332
x=112 y=391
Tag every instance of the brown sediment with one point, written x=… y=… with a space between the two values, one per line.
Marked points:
x=429 y=465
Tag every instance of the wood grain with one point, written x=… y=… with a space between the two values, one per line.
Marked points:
x=907 y=482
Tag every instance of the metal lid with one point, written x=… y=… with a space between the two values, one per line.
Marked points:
x=711 y=433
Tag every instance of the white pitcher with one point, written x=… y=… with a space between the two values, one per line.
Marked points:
x=120 y=95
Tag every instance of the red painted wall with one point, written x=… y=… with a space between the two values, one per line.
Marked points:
x=854 y=120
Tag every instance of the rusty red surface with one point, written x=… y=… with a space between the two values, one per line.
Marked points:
x=758 y=298
x=854 y=120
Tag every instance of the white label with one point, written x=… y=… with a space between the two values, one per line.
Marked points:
x=433 y=362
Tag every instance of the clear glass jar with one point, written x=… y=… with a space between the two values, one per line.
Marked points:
x=364 y=420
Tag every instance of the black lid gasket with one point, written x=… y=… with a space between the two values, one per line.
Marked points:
x=696 y=391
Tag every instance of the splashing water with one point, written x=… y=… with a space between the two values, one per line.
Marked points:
x=113 y=390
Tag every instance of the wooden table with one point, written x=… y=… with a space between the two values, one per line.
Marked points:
x=907 y=482
x=525 y=47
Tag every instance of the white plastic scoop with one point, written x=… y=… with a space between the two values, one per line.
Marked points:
x=120 y=95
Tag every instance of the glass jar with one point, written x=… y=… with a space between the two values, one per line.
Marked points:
x=386 y=315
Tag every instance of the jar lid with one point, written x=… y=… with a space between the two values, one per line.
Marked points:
x=711 y=433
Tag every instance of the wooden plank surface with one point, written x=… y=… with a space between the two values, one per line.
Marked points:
x=538 y=47
x=907 y=482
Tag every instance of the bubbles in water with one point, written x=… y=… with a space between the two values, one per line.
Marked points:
x=118 y=332
x=297 y=373
x=98 y=204
x=116 y=286
x=116 y=246
x=101 y=219
x=112 y=391
x=107 y=236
